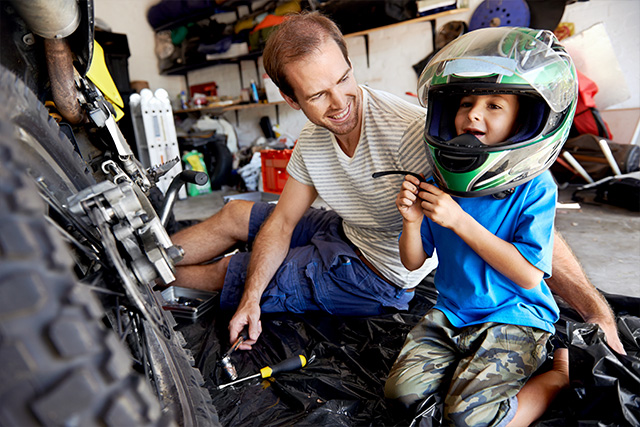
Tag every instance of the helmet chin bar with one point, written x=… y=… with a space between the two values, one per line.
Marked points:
x=460 y=163
x=465 y=140
x=462 y=154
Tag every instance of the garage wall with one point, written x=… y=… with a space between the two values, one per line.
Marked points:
x=392 y=53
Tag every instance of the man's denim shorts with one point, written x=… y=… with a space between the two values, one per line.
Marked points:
x=321 y=272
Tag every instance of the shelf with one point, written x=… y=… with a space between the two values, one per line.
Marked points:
x=224 y=109
x=181 y=70
x=409 y=21
x=203 y=13
x=184 y=69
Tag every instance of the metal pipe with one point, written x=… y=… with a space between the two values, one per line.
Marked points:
x=50 y=19
x=609 y=156
x=195 y=177
x=573 y=162
x=61 y=75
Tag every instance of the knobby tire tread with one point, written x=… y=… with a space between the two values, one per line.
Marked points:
x=60 y=364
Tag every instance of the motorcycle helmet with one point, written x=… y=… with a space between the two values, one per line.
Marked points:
x=503 y=60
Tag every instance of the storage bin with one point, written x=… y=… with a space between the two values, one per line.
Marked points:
x=274 y=169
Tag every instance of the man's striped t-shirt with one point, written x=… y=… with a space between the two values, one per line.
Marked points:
x=391 y=139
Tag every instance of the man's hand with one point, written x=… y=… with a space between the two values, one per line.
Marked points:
x=570 y=282
x=270 y=248
x=610 y=332
x=247 y=314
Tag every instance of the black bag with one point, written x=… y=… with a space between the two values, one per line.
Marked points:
x=354 y=16
x=623 y=192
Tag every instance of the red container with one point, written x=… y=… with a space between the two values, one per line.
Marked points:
x=274 y=169
x=207 y=89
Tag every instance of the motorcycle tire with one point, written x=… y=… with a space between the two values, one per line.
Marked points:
x=46 y=152
x=61 y=365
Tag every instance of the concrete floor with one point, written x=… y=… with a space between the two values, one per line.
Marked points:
x=606 y=239
x=203 y=206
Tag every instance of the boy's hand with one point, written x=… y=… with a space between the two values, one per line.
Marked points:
x=407 y=200
x=439 y=207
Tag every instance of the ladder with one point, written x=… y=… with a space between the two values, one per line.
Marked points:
x=155 y=133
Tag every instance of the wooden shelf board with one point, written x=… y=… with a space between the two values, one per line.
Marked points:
x=225 y=108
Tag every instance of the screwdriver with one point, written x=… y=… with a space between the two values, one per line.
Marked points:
x=290 y=364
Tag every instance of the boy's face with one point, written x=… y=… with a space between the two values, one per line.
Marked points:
x=490 y=118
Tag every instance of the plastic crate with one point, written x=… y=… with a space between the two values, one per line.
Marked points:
x=274 y=169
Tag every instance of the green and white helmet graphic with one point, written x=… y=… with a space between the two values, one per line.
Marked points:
x=503 y=60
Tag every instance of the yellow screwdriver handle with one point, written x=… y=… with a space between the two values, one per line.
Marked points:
x=290 y=364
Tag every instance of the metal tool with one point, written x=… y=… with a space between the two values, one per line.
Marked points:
x=225 y=361
x=394 y=172
x=290 y=364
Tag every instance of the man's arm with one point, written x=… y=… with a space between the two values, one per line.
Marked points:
x=570 y=282
x=269 y=251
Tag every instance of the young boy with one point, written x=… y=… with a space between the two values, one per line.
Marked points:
x=488 y=331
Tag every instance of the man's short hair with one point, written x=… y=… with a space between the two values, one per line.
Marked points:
x=298 y=36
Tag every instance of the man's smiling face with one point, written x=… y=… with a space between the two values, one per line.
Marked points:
x=490 y=118
x=326 y=90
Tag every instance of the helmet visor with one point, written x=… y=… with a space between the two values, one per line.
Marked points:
x=515 y=56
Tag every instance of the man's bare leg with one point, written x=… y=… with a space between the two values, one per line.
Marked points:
x=209 y=277
x=538 y=393
x=215 y=235
x=207 y=240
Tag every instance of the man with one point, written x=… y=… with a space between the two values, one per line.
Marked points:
x=344 y=260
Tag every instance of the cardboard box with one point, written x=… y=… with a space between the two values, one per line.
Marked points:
x=272 y=91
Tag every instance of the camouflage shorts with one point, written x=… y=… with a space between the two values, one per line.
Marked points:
x=477 y=370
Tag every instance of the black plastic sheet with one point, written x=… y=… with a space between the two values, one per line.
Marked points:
x=350 y=357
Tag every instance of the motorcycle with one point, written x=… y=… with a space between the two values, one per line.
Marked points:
x=84 y=339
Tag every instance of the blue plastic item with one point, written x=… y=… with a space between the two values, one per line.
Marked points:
x=500 y=13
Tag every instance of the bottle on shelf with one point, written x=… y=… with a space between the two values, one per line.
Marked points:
x=253 y=92
x=184 y=103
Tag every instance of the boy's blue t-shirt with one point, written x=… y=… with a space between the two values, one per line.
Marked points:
x=473 y=292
